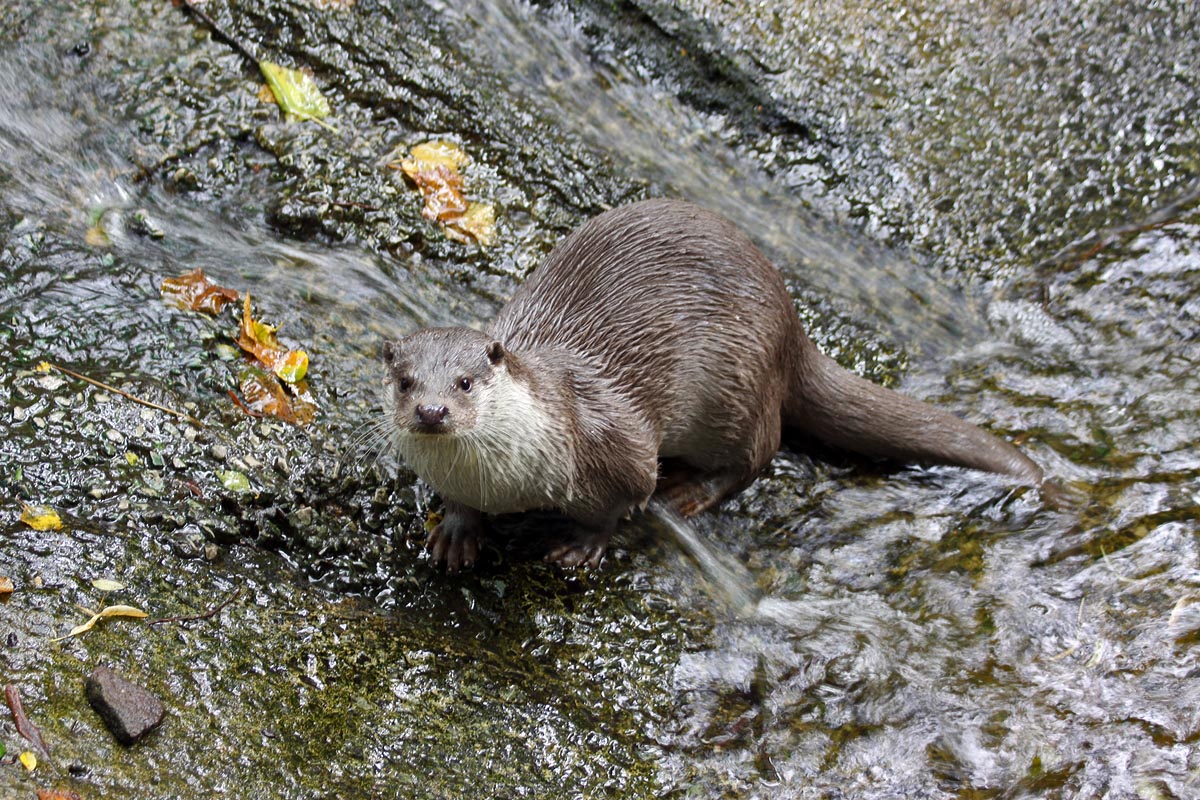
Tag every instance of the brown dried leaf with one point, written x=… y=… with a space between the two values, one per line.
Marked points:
x=434 y=168
x=264 y=394
x=442 y=187
x=195 y=292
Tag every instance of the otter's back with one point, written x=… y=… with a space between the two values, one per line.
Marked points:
x=673 y=304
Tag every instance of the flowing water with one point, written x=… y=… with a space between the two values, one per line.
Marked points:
x=993 y=207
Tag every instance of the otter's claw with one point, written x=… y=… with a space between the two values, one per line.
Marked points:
x=585 y=548
x=456 y=540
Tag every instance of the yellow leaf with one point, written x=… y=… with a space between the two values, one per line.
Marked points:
x=254 y=333
x=105 y=585
x=292 y=366
x=434 y=167
x=41 y=518
x=29 y=760
x=478 y=223
x=107 y=611
x=96 y=237
x=296 y=92
x=438 y=151
x=43 y=366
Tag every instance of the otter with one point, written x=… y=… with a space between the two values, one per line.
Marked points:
x=656 y=330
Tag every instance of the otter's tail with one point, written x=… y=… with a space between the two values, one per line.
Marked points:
x=839 y=408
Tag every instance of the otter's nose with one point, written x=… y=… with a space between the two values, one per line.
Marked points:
x=431 y=415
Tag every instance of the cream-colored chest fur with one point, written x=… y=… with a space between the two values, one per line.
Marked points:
x=515 y=458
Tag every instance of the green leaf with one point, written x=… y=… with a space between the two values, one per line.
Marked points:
x=296 y=92
x=234 y=481
x=106 y=585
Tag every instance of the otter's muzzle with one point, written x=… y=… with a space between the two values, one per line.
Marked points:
x=431 y=416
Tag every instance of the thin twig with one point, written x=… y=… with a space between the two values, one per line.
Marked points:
x=126 y=395
x=24 y=726
x=209 y=614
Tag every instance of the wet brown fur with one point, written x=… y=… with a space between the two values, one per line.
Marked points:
x=658 y=330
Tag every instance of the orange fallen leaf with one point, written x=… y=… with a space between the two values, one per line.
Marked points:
x=195 y=292
x=259 y=340
x=264 y=394
x=443 y=190
x=6 y=586
x=56 y=794
x=434 y=168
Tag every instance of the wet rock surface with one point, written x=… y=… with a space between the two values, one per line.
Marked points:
x=839 y=629
x=128 y=710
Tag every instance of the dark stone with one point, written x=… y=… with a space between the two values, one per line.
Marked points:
x=128 y=710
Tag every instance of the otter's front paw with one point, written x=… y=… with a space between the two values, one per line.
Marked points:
x=584 y=548
x=455 y=542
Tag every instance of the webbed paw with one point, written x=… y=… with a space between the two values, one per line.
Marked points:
x=455 y=542
x=584 y=547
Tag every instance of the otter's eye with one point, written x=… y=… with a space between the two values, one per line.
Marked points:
x=465 y=384
x=405 y=383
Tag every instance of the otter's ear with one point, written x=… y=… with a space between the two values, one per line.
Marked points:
x=495 y=353
x=390 y=351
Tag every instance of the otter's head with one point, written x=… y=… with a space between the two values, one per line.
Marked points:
x=439 y=380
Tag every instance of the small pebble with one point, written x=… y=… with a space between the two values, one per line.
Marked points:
x=128 y=710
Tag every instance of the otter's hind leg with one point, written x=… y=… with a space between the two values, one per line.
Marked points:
x=703 y=491
x=718 y=475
